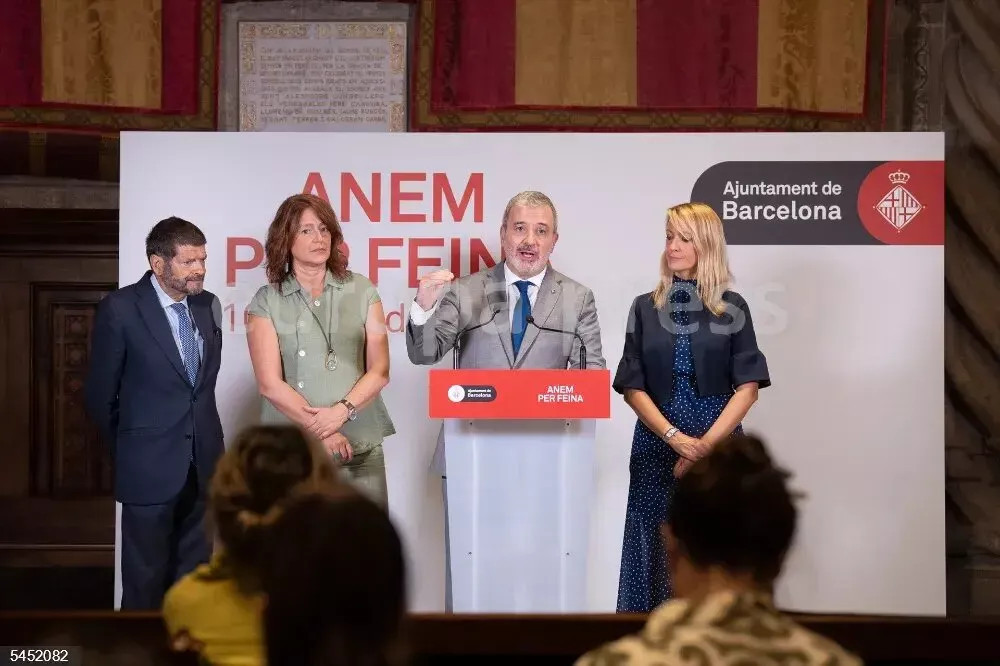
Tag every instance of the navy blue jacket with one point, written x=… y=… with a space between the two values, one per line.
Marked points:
x=138 y=393
x=724 y=348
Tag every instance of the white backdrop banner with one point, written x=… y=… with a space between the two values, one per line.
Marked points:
x=836 y=242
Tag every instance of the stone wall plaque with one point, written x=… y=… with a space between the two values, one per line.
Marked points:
x=346 y=76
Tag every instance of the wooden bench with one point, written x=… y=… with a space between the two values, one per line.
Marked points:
x=114 y=638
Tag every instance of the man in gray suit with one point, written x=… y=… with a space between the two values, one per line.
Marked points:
x=496 y=315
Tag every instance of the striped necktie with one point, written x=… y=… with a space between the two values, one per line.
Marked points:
x=189 y=346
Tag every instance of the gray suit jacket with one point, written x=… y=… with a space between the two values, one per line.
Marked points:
x=480 y=300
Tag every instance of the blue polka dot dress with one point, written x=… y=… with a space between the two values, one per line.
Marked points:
x=644 y=582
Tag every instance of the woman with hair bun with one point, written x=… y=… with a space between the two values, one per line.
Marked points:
x=216 y=609
x=732 y=524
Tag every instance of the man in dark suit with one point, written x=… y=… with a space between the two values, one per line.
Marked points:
x=157 y=347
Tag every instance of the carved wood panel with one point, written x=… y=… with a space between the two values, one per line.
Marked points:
x=56 y=507
x=68 y=457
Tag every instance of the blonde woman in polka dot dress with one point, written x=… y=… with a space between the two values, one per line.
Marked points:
x=690 y=370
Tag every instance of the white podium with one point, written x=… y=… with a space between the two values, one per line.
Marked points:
x=519 y=500
x=519 y=459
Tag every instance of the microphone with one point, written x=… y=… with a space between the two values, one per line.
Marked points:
x=583 y=347
x=458 y=336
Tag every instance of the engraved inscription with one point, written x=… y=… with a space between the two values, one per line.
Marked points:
x=344 y=76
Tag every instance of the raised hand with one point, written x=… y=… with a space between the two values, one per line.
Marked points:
x=430 y=287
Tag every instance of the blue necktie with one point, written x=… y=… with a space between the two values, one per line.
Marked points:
x=521 y=313
x=189 y=346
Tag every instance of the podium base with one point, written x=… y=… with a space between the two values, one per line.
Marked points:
x=519 y=497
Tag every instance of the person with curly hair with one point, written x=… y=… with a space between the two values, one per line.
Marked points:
x=318 y=342
x=216 y=609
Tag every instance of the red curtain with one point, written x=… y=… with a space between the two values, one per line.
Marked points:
x=649 y=64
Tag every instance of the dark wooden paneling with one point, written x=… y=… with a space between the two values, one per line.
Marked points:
x=57 y=233
x=533 y=639
x=13 y=152
x=68 y=458
x=62 y=588
x=55 y=476
x=15 y=434
x=104 y=643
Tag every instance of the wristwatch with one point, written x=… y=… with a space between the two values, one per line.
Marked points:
x=670 y=433
x=352 y=412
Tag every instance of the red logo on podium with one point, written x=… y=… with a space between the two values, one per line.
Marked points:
x=520 y=394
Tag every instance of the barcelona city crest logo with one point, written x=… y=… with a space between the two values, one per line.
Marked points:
x=899 y=206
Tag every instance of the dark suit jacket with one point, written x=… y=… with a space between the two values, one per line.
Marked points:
x=724 y=348
x=138 y=393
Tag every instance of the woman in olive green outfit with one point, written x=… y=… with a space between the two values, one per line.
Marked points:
x=318 y=342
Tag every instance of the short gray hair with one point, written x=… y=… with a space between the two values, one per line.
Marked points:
x=531 y=199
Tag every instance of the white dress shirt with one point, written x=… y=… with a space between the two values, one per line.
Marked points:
x=165 y=303
x=419 y=316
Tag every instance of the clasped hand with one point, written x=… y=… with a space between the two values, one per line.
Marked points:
x=326 y=420
x=682 y=466
x=690 y=449
x=337 y=445
x=326 y=424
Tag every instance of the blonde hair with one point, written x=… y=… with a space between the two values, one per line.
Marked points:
x=698 y=222
x=531 y=199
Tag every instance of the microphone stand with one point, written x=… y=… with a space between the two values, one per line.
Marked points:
x=583 y=347
x=458 y=338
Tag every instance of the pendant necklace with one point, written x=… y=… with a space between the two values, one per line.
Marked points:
x=331 y=354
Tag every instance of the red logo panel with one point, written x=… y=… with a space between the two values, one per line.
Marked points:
x=520 y=394
x=902 y=203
